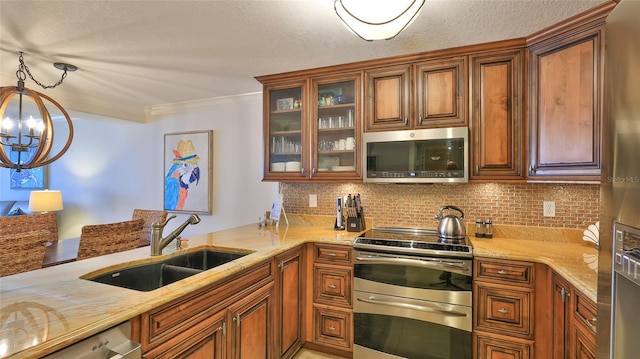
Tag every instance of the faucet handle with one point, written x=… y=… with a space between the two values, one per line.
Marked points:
x=159 y=224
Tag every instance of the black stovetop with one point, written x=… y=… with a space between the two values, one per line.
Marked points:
x=420 y=242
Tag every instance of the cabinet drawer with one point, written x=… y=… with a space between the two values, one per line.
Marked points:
x=332 y=285
x=489 y=347
x=332 y=327
x=333 y=254
x=504 y=271
x=585 y=312
x=503 y=311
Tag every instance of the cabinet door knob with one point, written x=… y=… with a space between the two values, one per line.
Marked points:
x=406 y=121
x=532 y=170
x=503 y=311
x=503 y=272
x=303 y=172
x=332 y=254
x=313 y=172
x=420 y=121
x=332 y=286
x=332 y=328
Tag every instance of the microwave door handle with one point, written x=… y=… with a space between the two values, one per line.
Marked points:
x=422 y=308
x=409 y=261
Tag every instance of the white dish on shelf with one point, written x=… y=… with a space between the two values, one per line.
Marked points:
x=343 y=168
x=292 y=166
x=277 y=166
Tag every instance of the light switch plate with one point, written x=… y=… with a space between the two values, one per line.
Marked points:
x=313 y=200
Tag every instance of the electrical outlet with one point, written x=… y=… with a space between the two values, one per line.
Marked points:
x=313 y=200
x=548 y=208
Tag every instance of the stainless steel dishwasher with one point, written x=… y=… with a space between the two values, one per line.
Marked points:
x=113 y=343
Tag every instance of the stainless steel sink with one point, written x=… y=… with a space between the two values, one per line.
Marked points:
x=150 y=276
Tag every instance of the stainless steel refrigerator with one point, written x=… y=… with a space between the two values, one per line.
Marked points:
x=618 y=333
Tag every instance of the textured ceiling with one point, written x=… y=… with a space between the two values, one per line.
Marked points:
x=133 y=55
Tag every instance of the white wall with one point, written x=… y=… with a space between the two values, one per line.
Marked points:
x=114 y=166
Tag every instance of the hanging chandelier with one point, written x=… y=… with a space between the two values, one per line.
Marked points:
x=26 y=126
x=377 y=19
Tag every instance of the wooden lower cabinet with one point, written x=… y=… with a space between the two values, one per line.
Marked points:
x=229 y=319
x=251 y=331
x=573 y=328
x=503 y=320
x=329 y=308
x=289 y=301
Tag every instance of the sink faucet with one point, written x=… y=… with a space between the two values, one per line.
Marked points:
x=158 y=243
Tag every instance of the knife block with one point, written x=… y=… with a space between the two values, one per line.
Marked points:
x=356 y=224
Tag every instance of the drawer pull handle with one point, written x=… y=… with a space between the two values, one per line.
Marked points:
x=332 y=286
x=332 y=254
x=592 y=324
x=503 y=311
x=503 y=272
x=332 y=328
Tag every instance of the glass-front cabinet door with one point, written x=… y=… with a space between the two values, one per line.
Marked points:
x=335 y=123
x=286 y=139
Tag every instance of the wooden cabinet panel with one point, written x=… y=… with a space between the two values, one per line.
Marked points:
x=566 y=106
x=503 y=310
x=162 y=324
x=326 y=253
x=585 y=345
x=333 y=327
x=332 y=285
x=204 y=341
x=251 y=325
x=496 y=115
x=388 y=98
x=504 y=271
x=289 y=307
x=488 y=347
x=441 y=92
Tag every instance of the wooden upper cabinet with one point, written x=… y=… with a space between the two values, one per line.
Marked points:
x=496 y=115
x=565 y=105
x=441 y=92
x=388 y=98
x=422 y=95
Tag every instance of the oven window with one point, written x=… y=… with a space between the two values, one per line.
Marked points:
x=415 y=277
x=411 y=338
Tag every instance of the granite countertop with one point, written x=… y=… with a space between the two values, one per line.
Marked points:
x=45 y=310
x=561 y=249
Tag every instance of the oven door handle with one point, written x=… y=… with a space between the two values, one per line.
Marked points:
x=432 y=263
x=423 y=308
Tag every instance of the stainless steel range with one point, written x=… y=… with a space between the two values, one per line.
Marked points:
x=412 y=295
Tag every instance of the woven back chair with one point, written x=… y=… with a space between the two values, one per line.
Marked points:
x=100 y=239
x=149 y=216
x=14 y=225
x=22 y=252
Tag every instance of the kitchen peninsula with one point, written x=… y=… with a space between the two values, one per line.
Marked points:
x=75 y=308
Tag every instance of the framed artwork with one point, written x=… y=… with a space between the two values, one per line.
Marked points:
x=188 y=171
x=32 y=178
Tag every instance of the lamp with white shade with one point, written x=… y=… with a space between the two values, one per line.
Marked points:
x=45 y=201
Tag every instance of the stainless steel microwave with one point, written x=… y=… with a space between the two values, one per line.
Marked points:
x=437 y=155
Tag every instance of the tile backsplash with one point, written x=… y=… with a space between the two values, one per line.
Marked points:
x=576 y=205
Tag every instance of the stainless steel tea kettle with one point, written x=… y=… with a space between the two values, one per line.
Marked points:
x=451 y=226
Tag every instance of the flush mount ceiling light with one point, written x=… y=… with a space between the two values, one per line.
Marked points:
x=377 y=19
x=26 y=127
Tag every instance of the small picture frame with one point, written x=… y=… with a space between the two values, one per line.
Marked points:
x=283 y=104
